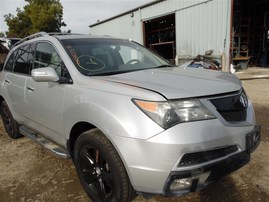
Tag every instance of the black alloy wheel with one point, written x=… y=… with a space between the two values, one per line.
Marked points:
x=10 y=124
x=96 y=173
x=100 y=169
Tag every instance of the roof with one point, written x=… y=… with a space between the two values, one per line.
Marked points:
x=82 y=36
x=61 y=36
x=127 y=12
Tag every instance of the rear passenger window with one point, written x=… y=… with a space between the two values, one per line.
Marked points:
x=23 y=60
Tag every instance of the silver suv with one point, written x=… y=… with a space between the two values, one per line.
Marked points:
x=131 y=122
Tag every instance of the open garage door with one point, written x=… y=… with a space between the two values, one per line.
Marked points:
x=160 y=36
x=250 y=33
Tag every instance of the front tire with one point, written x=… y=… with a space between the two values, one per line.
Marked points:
x=10 y=124
x=100 y=169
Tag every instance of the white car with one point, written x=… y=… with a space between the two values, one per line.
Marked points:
x=131 y=122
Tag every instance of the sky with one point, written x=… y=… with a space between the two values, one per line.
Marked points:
x=77 y=14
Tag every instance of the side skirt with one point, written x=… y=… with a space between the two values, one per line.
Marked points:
x=48 y=144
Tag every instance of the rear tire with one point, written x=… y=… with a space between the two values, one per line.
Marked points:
x=11 y=126
x=100 y=169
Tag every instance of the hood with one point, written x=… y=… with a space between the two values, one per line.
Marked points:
x=176 y=82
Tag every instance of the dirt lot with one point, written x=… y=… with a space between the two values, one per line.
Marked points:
x=30 y=173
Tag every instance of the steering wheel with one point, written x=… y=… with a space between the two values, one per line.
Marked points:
x=133 y=61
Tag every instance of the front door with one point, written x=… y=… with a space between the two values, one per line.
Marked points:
x=45 y=100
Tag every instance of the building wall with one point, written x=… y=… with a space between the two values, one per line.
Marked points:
x=200 y=25
x=123 y=27
x=203 y=27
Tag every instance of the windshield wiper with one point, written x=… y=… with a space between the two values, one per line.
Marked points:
x=110 y=73
x=161 y=66
x=126 y=71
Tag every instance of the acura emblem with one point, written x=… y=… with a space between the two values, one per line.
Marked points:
x=243 y=100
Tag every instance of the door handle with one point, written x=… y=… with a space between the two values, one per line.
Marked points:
x=30 y=88
x=7 y=81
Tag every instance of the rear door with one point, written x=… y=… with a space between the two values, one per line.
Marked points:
x=17 y=71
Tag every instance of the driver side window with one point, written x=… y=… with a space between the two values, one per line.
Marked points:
x=47 y=56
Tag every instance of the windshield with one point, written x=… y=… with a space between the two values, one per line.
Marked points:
x=95 y=57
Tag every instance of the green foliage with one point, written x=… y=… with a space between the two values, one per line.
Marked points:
x=36 y=16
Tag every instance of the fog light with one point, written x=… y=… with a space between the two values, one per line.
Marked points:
x=186 y=183
x=179 y=184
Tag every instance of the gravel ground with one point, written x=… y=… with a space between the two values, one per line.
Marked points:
x=30 y=173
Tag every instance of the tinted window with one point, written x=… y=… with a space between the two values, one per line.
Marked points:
x=47 y=56
x=23 y=60
x=10 y=62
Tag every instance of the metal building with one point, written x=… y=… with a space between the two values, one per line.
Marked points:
x=237 y=30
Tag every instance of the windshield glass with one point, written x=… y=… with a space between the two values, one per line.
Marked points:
x=95 y=57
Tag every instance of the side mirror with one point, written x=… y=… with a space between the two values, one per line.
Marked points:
x=45 y=74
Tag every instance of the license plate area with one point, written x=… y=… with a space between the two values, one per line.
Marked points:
x=253 y=139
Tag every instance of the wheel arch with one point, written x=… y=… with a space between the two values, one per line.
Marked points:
x=84 y=126
x=1 y=99
x=75 y=132
x=81 y=127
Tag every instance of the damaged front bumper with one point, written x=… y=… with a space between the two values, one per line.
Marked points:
x=182 y=182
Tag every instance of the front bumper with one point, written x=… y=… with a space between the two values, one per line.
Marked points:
x=182 y=182
x=198 y=179
x=154 y=164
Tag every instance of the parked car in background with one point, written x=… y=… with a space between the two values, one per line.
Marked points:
x=131 y=122
x=3 y=53
x=5 y=45
x=9 y=42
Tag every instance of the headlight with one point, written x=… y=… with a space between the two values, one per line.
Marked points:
x=170 y=113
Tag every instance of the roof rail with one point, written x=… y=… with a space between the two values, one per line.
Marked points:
x=39 y=34
x=59 y=33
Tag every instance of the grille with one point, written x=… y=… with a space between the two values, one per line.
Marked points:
x=232 y=108
x=191 y=159
x=234 y=116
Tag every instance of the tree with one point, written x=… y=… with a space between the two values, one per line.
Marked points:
x=36 y=16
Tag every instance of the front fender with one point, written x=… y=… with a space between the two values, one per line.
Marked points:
x=117 y=116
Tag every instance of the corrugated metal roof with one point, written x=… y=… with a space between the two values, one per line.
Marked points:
x=129 y=11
